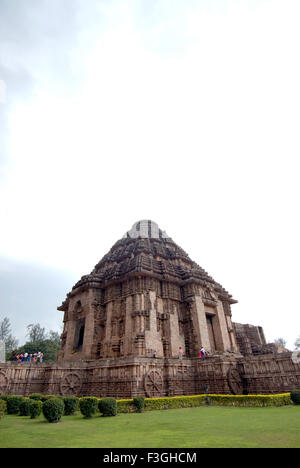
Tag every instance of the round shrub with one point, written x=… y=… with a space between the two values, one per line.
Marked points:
x=35 y=408
x=108 y=407
x=13 y=404
x=139 y=403
x=48 y=397
x=2 y=408
x=4 y=397
x=295 y=397
x=25 y=407
x=53 y=409
x=41 y=397
x=71 y=405
x=88 y=406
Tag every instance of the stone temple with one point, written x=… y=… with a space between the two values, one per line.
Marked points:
x=125 y=322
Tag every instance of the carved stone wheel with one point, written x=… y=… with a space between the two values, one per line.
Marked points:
x=70 y=384
x=153 y=383
x=234 y=381
x=3 y=383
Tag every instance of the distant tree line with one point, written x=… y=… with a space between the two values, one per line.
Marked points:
x=38 y=340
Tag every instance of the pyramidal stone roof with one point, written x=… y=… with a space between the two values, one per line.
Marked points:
x=146 y=249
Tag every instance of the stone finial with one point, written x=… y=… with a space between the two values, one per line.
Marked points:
x=146 y=229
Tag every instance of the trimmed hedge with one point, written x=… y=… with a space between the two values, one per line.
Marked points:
x=35 y=408
x=4 y=397
x=36 y=396
x=43 y=398
x=53 y=409
x=251 y=400
x=127 y=406
x=71 y=405
x=88 y=406
x=2 y=408
x=13 y=403
x=108 y=407
x=295 y=397
x=25 y=407
x=139 y=403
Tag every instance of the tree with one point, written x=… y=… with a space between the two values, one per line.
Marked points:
x=281 y=342
x=297 y=343
x=39 y=340
x=54 y=336
x=5 y=334
x=49 y=348
x=36 y=332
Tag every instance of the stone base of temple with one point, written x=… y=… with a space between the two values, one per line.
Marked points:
x=226 y=373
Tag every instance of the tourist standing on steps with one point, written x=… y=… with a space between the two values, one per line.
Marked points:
x=180 y=353
x=202 y=353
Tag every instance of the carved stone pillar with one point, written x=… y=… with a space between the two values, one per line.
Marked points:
x=128 y=337
x=153 y=339
x=200 y=323
x=89 y=326
x=221 y=330
x=176 y=340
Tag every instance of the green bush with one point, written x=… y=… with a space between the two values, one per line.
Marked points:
x=13 y=404
x=35 y=408
x=174 y=402
x=295 y=397
x=139 y=403
x=108 y=407
x=25 y=407
x=53 y=409
x=42 y=397
x=127 y=406
x=251 y=400
x=36 y=396
x=2 y=408
x=71 y=405
x=4 y=397
x=88 y=406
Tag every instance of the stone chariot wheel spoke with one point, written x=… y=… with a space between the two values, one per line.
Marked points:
x=153 y=383
x=71 y=384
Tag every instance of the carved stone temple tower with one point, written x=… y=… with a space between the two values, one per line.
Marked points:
x=125 y=322
x=146 y=296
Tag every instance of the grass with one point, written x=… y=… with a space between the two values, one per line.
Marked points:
x=179 y=428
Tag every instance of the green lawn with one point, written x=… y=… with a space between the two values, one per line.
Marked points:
x=181 y=428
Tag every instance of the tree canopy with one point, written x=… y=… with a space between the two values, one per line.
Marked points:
x=39 y=340
x=6 y=335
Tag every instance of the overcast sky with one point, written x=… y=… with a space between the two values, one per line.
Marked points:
x=183 y=112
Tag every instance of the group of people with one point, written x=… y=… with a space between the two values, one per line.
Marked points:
x=30 y=357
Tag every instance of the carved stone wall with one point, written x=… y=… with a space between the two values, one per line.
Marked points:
x=226 y=373
x=250 y=338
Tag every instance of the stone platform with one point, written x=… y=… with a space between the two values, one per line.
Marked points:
x=128 y=377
